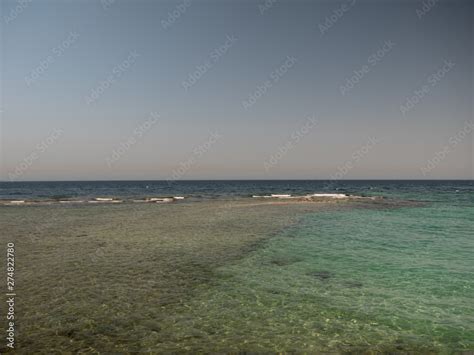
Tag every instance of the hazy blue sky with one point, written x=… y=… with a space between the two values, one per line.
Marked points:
x=139 y=89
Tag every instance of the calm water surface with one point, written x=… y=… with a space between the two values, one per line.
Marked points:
x=223 y=272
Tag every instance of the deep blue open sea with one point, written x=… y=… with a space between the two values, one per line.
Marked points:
x=423 y=190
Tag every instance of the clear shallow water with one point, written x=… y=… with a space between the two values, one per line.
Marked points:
x=386 y=280
x=241 y=275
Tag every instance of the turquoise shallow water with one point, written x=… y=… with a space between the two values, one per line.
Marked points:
x=350 y=280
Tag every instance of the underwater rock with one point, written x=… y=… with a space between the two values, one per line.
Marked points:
x=353 y=284
x=321 y=275
x=283 y=261
x=68 y=332
x=152 y=325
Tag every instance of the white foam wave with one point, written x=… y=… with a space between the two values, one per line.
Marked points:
x=329 y=195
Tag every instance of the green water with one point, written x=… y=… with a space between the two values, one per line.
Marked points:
x=386 y=280
x=238 y=275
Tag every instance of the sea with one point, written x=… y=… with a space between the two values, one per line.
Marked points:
x=223 y=271
x=206 y=189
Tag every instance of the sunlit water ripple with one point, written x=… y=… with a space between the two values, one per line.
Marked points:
x=233 y=274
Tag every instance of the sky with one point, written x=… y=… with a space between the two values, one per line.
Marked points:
x=275 y=89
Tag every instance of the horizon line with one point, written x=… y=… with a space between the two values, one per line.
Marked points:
x=196 y=180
